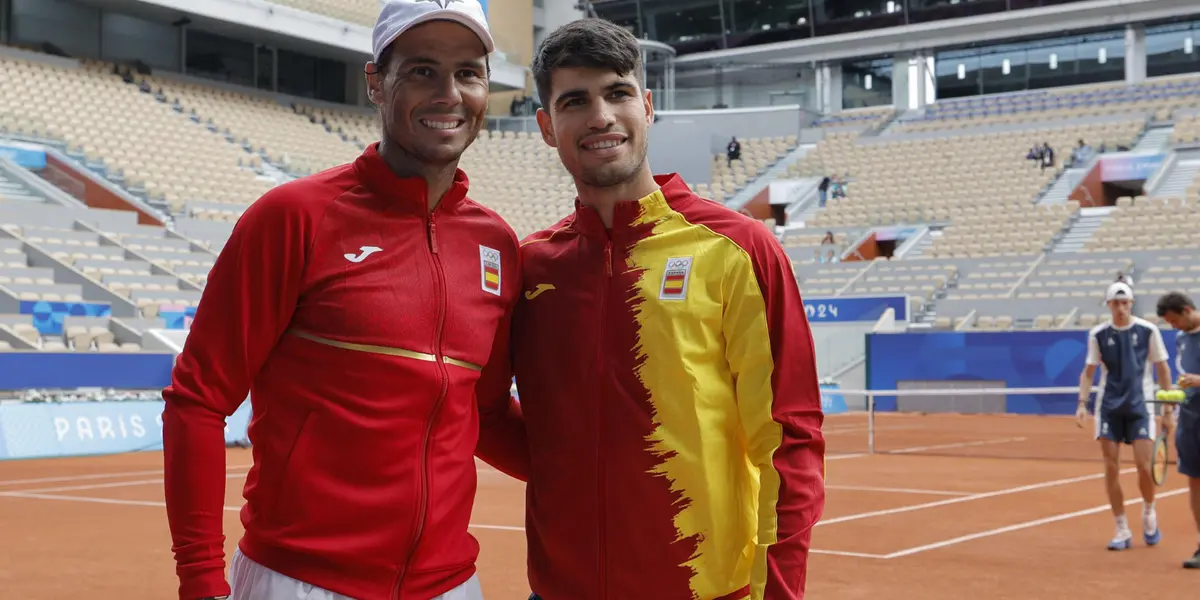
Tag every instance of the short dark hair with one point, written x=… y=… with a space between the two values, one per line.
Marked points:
x=1174 y=302
x=589 y=43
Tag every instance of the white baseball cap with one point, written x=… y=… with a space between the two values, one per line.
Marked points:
x=398 y=16
x=1118 y=291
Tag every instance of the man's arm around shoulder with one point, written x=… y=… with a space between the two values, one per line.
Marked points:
x=770 y=351
x=250 y=296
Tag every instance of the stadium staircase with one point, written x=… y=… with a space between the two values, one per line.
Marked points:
x=775 y=171
x=1060 y=190
x=919 y=248
x=1081 y=229
x=1156 y=139
x=1181 y=174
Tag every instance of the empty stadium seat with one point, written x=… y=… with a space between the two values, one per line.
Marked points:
x=153 y=148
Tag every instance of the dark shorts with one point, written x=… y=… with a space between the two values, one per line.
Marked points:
x=1124 y=427
x=1187 y=445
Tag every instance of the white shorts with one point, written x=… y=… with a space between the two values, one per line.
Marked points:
x=252 y=581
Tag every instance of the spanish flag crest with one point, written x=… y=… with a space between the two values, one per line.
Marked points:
x=489 y=269
x=675 y=279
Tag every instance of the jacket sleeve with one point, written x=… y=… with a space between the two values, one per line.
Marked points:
x=502 y=441
x=770 y=352
x=249 y=299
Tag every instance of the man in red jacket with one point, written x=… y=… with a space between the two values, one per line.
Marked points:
x=361 y=309
x=665 y=366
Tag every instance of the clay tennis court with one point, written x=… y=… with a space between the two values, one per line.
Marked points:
x=901 y=525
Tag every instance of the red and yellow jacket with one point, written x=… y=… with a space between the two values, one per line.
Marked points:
x=364 y=328
x=669 y=390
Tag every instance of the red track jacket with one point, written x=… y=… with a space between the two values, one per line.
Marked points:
x=669 y=390
x=360 y=325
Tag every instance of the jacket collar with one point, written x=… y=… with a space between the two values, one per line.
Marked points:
x=408 y=194
x=632 y=217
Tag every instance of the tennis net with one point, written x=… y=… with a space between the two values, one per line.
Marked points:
x=966 y=421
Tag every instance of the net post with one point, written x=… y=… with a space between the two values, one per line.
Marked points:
x=871 y=423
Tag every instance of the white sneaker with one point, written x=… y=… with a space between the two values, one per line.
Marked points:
x=1123 y=540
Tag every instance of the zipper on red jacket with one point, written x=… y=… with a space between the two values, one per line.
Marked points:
x=601 y=474
x=423 y=505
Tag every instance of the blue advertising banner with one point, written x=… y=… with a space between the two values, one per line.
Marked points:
x=832 y=404
x=70 y=370
x=37 y=430
x=1023 y=359
x=1131 y=167
x=26 y=155
x=854 y=308
x=48 y=317
x=177 y=316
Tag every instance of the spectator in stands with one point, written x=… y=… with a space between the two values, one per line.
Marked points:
x=1034 y=155
x=359 y=309
x=823 y=189
x=733 y=151
x=1083 y=153
x=716 y=344
x=1047 y=156
x=838 y=187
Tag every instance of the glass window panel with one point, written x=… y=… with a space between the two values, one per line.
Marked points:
x=765 y=21
x=221 y=58
x=1051 y=66
x=957 y=74
x=920 y=11
x=850 y=16
x=1172 y=49
x=1019 y=4
x=623 y=13
x=867 y=83
x=1100 y=59
x=1003 y=70
x=683 y=24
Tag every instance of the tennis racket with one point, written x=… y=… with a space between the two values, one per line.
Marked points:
x=1162 y=445
x=1162 y=454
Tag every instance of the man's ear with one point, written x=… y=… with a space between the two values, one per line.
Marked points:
x=543 y=121
x=374 y=77
x=648 y=101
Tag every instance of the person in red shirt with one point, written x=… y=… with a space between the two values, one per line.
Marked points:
x=365 y=310
x=664 y=362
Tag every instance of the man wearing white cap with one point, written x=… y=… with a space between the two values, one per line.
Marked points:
x=1130 y=353
x=365 y=311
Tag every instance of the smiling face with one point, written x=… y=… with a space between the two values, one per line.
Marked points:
x=432 y=91
x=598 y=121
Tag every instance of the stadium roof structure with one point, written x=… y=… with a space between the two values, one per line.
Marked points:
x=270 y=23
x=964 y=31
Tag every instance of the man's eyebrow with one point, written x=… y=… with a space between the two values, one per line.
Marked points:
x=572 y=94
x=425 y=60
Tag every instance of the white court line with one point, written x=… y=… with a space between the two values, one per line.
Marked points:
x=840 y=553
x=1025 y=525
x=93 y=476
x=867 y=488
x=845 y=456
x=102 y=486
x=153 y=504
x=87 y=499
x=1004 y=492
x=957 y=445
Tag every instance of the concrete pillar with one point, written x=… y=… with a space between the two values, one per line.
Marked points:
x=900 y=78
x=1135 y=53
x=829 y=88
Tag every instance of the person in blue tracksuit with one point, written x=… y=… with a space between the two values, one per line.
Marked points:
x=1179 y=311
x=1129 y=352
